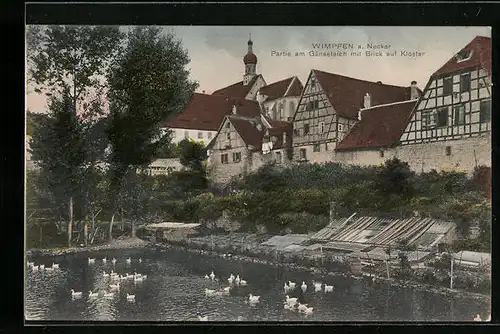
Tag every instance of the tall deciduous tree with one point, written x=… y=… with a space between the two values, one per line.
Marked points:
x=68 y=63
x=148 y=84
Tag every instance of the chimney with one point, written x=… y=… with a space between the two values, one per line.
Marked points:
x=203 y=91
x=359 y=115
x=234 y=109
x=414 y=94
x=367 y=101
x=284 y=138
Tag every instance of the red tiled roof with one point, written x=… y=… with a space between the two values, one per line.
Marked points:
x=279 y=88
x=237 y=89
x=347 y=94
x=206 y=112
x=379 y=126
x=481 y=57
x=296 y=89
x=248 y=131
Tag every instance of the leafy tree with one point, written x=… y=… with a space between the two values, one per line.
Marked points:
x=68 y=63
x=148 y=83
x=395 y=178
x=192 y=155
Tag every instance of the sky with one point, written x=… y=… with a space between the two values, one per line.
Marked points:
x=217 y=52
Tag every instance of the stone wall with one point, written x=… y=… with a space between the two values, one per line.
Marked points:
x=465 y=154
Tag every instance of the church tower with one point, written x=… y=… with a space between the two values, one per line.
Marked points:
x=250 y=61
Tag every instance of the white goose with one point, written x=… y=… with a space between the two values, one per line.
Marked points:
x=243 y=282
x=42 y=267
x=227 y=289
x=91 y=260
x=286 y=287
x=253 y=299
x=115 y=287
x=209 y=292
x=93 y=294
x=288 y=307
x=114 y=261
x=122 y=278
x=303 y=287
x=302 y=307
x=49 y=269
x=140 y=260
x=291 y=285
x=129 y=261
x=131 y=276
x=317 y=287
x=55 y=265
x=205 y=318
x=138 y=279
x=212 y=276
x=206 y=276
x=328 y=288
x=30 y=264
x=291 y=301
x=104 y=260
x=130 y=297
x=231 y=279
x=35 y=268
x=478 y=318
x=237 y=279
x=75 y=294
x=104 y=274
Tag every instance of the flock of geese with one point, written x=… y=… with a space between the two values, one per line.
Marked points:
x=291 y=304
x=114 y=279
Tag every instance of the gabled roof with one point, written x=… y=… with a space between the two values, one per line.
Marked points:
x=238 y=89
x=347 y=94
x=206 y=112
x=287 y=87
x=247 y=129
x=380 y=126
x=480 y=57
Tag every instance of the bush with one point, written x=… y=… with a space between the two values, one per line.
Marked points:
x=302 y=222
x=481 y=180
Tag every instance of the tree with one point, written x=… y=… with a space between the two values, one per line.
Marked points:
x=394 y=178
x=69 y=64
x=57 y=148
x=192 y=155
x=148 y=83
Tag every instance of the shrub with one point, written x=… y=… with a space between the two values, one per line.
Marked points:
x=481 y=180
x=302 y=222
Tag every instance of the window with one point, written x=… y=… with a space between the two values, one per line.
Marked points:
x=447 y=86
x=224 y=159
x=313 y=83
x=200 y=135
x=381 y=153
x=186 y=134
x=278 y=157
x=210 y=135
x=289 y=119
x=463 y=55
x=465 y=82
x=459 y=115
x=315 y=104
x=442 y=117
x=341 y=127
x=316 y=148
x=228 y=125
x=291 y=107
x=306 y=129
x=485 y=111
x=303 y=154
x=322 y=127
x=228 y=136
x=296 y=132
x=448 y=150
x=236 y=156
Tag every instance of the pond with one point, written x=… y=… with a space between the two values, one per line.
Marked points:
x=174 y=290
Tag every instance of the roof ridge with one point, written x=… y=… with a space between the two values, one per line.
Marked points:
x=389 y=104
x=361 y=80
x=277 y=82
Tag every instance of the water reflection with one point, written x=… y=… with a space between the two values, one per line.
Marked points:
x=174 y=291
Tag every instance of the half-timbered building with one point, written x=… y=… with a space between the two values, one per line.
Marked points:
x=329 y=107
x=450 y=127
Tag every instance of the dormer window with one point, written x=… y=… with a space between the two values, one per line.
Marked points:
x=463 y=55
